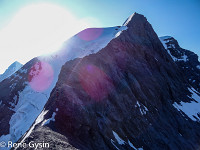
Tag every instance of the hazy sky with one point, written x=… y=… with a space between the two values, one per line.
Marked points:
x=29 y=27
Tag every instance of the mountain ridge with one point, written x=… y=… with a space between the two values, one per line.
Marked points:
x=126 y=95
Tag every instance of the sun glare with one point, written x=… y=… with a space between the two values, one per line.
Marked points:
x=37 y=29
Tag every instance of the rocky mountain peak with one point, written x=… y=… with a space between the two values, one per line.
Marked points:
x=134 y=18
x=138 y=26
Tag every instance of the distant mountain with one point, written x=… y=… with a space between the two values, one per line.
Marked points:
x=106 y=88
x=11 y=69
x=185 y=59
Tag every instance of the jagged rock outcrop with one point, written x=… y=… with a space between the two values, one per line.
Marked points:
x=121 y=97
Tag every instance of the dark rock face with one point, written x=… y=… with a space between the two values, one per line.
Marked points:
x=186 y=60
x=124 y=91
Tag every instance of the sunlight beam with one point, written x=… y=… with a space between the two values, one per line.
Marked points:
x=35 y=30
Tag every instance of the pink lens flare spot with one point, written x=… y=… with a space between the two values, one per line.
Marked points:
x=90 y=34
x=95 y=82
x=40 y=76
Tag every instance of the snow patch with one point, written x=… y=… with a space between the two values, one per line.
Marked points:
x=131 y=145
x=164 y=40
x=183 y=58
x=119 y=140
x=38 y=120
x=128 y=20
x=47 y=121
x=122 y=142
x=143 y=109
x=114 y=144
x=23 y=70
x=121 y=29
x=191 y=109
x=164 y=37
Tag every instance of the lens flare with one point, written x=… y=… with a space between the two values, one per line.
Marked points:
x=40 y=76
x=95 y=82
x=90 y=34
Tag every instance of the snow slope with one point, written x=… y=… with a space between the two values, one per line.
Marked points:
x=44 y=75
x=122 y=142
x=11 y=70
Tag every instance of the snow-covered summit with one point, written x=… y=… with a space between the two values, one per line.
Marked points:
x=11 y=69
x=84 y=43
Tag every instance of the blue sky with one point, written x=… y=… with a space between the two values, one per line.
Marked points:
x=177 y=18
